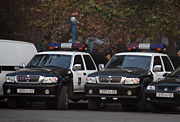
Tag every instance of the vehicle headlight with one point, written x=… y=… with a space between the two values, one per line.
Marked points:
x=91 y=80
x=151 y=87
x=10 y=79
x=50 y=80
x=131 y=81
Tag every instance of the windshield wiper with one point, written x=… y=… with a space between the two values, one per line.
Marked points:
x=134 y=68
x=54 y=66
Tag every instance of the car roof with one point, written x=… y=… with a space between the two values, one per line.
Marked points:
x=141 y=53
x=63 y=52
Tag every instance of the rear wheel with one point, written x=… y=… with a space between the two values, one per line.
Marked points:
x=63 y=98
x=93 y=103
x=12 y=103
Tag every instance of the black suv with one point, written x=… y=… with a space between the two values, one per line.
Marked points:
x=125 y=78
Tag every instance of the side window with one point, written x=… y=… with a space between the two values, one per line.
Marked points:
x=78 y=60
x=0 y=69
x=89 y=63
x=167 y=63
x=157 y=61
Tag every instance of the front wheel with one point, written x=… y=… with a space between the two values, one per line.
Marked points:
x=63 y=98
x=12 y=103
x=93 y=103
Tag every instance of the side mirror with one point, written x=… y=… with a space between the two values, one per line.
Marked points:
x=23 y=65
x=77 y=67
x=101 y=67
x=157 y=68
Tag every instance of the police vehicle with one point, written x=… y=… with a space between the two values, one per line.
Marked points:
x=126 y=76
x=164 y=94
x=52 y=76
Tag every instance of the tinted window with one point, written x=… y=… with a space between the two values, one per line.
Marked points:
x=49 y=60
x=157 y=61
x=89 y=63
x=123 y=61
x=78 y=60
x=167 y=64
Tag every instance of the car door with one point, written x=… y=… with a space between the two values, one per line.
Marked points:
x=89 y=65
x=157 y=75
x=79 y=76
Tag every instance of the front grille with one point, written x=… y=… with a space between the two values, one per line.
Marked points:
x=110 y=79
x=166 y=88
x=28 y=78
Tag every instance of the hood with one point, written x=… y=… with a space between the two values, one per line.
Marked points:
x=127 y=72
x=169 y=80
x=49 y=71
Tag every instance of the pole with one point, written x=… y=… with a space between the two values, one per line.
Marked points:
x=73 y=31
x=91 y=46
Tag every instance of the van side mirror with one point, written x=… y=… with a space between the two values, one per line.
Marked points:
x=77 y=67
x=101 y=67
x=157 y=68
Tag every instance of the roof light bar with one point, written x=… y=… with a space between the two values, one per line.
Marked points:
x=68 y=46
x=141 y=46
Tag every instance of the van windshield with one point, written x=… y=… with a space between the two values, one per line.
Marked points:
x=51 y=60
x=130 y=61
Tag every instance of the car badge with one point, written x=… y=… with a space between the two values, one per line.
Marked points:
x=165 y=89
x=27 y=78
x=109 y=78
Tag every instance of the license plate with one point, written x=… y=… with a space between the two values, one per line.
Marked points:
x=25 y=90
x=167 y=95
x=104 y=91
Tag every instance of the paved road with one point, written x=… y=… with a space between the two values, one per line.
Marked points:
x=78 y=113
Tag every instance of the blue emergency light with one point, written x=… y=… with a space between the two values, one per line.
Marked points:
x=142 y=46
x=68 y=46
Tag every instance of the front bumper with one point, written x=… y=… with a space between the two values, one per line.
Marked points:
x=123 y=92
x=163 y=101
x=39 y=91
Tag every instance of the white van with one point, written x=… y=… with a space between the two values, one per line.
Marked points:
x=13 y=54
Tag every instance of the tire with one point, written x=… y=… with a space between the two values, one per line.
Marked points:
x=63 y=98
x=93 y=103
x=142 y=104
x=154 y=108
x=12 y=103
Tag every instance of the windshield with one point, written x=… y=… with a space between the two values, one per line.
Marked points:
x=46 y=60
x=132 y=61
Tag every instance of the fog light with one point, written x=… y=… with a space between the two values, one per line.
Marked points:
x=115 y=98
x=90 y=91
x=46 y=91
x=103 y=98
x=148 y=99
x=8 y=91
x=129 y=93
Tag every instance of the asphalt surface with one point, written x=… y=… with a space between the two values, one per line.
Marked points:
x=79 y=112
